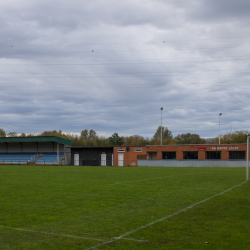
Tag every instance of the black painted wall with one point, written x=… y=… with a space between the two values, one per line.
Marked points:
x=91 y=156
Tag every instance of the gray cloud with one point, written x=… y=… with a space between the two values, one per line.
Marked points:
x=222 y=10
x=146 y=55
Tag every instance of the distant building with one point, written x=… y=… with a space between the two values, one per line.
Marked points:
x=128 y=156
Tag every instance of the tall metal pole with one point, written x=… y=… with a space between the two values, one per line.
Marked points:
x=219 y=126
x=57 y=153
x=161 y=125
x=247 y=166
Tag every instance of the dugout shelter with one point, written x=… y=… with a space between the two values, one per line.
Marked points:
x=92 y=156
x=44 y=150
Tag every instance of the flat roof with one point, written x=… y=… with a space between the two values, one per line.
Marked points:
x=92 y=147
x=194 y=145
x=36 y=139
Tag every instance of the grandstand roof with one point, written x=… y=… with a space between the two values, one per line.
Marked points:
x=36 y=139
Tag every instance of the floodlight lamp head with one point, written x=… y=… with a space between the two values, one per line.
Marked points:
x=161 y=109
x=220 y=114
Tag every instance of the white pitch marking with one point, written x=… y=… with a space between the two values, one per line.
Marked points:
x=182 y=210
x=41 y=232
x=64 y=235
x=135 y=239
x=161 y=219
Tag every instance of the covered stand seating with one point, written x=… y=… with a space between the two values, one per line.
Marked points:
x=50 y=158
x=16 y=157
x=44 y=150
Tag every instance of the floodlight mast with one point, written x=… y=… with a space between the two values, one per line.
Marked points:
x=219 y=126
x=161 y=125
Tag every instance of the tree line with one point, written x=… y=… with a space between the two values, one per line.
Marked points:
x=90 y=138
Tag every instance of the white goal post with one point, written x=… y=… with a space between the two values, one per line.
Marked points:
x=247 y=166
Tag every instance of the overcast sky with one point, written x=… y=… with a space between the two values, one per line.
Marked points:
x=111 y=65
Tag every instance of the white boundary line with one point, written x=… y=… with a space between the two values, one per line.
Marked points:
x=64 y=235
x=135 y=240
x=41 y=232
x=122 y=236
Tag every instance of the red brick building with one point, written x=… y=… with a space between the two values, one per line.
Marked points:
x=128 y=156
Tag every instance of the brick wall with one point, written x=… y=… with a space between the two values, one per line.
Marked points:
x=130 y=156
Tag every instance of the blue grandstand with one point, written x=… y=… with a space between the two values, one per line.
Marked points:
x=42 y=150
x=16 y=157
x=49 y=158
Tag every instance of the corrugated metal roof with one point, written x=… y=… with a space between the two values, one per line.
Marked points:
x=36 y=139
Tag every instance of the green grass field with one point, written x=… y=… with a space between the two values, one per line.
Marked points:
x=67 y=207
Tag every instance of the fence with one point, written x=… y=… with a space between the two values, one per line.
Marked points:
x=191 y=163
x=13 y=162
x=140 y=163
x=163 y=163
x=95 y=162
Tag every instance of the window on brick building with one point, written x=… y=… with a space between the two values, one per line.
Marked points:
x=168 y=155
x=240 y=155
x=138 y=150
x=213 y=155
x=190 y=155
x=120 y=150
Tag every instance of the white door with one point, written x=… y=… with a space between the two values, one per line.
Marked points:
x=103 y=159
x=120 y=160
x=76 y=159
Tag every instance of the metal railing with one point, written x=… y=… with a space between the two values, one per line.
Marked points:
x=96 y=162
x=13 y=162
